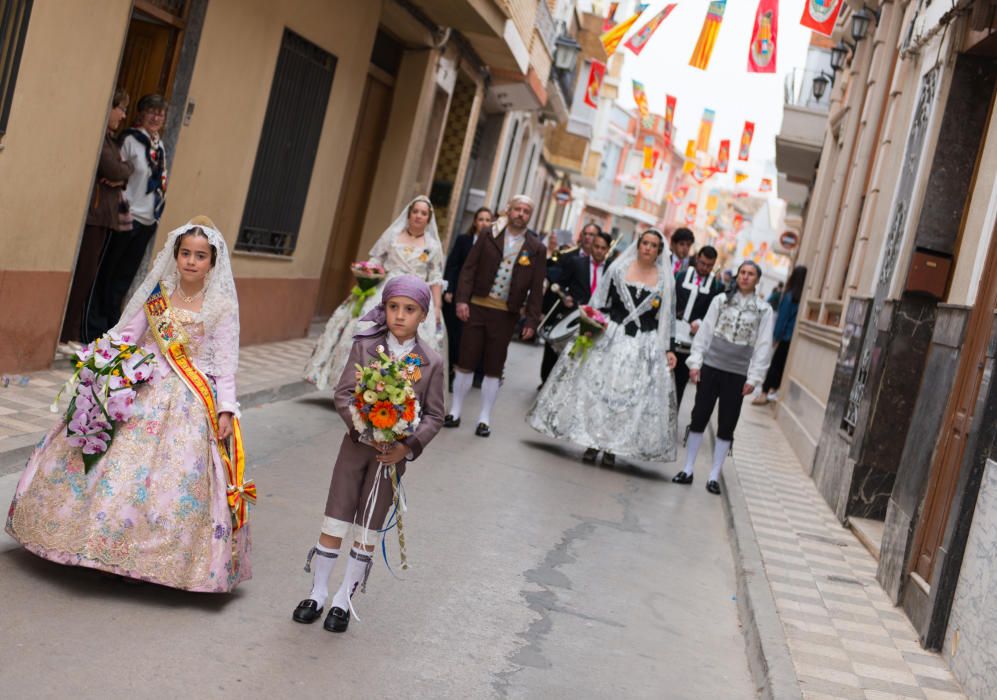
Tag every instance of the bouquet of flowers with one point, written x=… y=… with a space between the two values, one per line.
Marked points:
x=368 y=274
x=385 y=409
x=102 y=393
x=591 y=324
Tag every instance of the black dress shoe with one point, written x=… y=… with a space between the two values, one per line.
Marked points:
x=451 y=422
x=590 y=455
x=608 y=459
x=682 y=478
x=307 y=612
x=713 y=487
x=482 y=430
x=337 y=620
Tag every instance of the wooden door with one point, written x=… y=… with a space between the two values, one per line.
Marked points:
x=147 y=62
x=372 y=123
x=951 y=446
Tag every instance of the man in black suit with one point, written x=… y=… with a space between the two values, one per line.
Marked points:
x=695 y=288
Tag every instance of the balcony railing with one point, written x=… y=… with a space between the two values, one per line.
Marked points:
x=546 y=26
x=799 y=90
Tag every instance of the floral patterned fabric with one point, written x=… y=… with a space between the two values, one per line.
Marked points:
x=153 y=508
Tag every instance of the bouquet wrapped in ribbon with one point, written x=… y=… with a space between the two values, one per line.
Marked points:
x=385 y=410
x=102 y=393
x=368 y=275
x=591 y=324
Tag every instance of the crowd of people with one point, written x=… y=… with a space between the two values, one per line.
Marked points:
x=166 y=500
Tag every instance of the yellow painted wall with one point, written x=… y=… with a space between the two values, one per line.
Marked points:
x=57 y=122
x=213 y=165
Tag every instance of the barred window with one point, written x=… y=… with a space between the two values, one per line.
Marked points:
x=14 y=16
x=288 y=145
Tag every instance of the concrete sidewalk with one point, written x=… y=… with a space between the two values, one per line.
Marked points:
x=817 y=622
x=267 y=372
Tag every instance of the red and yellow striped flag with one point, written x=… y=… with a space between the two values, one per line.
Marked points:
x=708 y=35
x=612 y=38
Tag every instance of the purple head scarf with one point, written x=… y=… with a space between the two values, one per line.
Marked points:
x=402 y=286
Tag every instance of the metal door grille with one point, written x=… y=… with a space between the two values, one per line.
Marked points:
x=14 y=16
x=288 y=145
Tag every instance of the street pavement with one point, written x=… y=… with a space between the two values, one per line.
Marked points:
x=533 y=575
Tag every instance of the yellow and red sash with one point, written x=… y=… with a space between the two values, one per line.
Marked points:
x=172 y=342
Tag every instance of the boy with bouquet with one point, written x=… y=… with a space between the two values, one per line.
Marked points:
x=382 y=432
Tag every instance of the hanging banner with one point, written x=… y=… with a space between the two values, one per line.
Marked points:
x=640 y=97
x=746 y=136
x=761 y=53
x=690 y=214
x=739 y=177
x=708 y=35
x=612 y=38
x=723 y=156
x=738 y=222
x=766 y=185
x=610 y=20
x=821 y=15
x=669 y=119
x=705 y=129
x=648 y=159
x=638 y=41
x=597 y=71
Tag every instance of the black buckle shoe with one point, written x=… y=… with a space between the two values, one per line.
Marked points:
x=713 y=487
x=337 y=620
x=590 y=455
x=682 y=478
x=307 y=612
x=608 y=459
x=482 y=430
x=451 y=422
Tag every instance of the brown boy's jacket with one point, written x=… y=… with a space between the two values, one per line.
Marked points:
x=428 y=389
x=526 y=285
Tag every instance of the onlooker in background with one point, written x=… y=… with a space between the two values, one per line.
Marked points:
x=681 y=242
x=694 y=290
x=451 y=273
x=141 y=146
x=782 y=334
x=775 y=296
x=105 y=218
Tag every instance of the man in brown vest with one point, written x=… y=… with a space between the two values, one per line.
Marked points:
x=504 y=272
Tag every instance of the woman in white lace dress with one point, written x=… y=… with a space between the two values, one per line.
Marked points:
x=410 y=246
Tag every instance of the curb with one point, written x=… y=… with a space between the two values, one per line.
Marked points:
x=765 y=639
x=12 y=460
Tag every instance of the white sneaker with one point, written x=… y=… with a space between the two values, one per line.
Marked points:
x=772 y=396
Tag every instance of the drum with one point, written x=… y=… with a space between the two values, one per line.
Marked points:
x=563 y=332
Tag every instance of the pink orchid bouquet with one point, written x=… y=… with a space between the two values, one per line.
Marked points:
x=368 y=274
x=102 y=392
x=592 y=323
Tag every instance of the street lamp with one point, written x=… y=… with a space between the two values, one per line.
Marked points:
x=860 y=22
x=565 y=53
x=838 y=55
x=820 y=84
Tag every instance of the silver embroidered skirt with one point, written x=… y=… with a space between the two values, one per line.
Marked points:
x=619 y=397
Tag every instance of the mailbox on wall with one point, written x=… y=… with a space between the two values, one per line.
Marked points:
x=928 y=274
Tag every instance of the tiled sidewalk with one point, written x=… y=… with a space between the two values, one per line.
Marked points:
x=845 y=637
x=25 y=399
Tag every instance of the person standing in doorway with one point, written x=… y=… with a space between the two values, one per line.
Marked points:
x=106 y=217
x=142 y=147
x=694 y=290
x=504 y=272
x=785 y=322
x=451 y=273
x=680 y=243
x=729 y=358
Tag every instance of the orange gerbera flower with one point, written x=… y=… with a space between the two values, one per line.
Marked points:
x=409 y=413
x=383 y=415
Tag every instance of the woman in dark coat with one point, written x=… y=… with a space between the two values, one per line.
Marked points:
x=451 y=273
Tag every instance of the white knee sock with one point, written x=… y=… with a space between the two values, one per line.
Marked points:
x=489 y=392
x=694 y=441
x=322 y=560
x=462 y=382
x=356 y=573
x=719 y=455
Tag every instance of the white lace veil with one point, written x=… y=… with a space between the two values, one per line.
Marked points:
x=218 y=354
x=665 y=289
x=398 y=225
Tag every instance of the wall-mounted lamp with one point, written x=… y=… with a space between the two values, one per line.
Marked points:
x=820 y=84
x=861 y=20
x=566 y=51
x=838 y=55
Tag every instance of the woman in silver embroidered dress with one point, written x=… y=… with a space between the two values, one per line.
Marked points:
x=410 y=246
x=619 y=397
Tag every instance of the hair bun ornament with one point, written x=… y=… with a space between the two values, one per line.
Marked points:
x=202 y=220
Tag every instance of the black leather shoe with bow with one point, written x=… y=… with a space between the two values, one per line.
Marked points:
x=307 y=612
x=682 y=478
x=337 y=620
x=713 y=487
x=482 y=430
x=450 y=422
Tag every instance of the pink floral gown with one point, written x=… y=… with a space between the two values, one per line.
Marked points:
x=154 y=507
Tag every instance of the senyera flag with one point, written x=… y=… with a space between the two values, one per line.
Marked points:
x=821 y=15
x=638 y=41
x=705 y=129
x=669 y=119
x=612 y=38
x=597 y=71
x=761 y=53
x=746 y=136
x=708 y=35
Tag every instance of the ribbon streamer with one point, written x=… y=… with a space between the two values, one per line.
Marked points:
x=360 y=296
